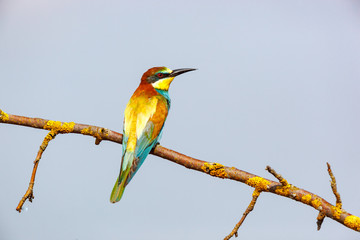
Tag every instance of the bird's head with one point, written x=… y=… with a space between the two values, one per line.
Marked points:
x=161 y=77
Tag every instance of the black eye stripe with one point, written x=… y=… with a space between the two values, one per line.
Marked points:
x=156 y=77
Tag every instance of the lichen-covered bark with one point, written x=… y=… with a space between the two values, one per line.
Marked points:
x=281 y=188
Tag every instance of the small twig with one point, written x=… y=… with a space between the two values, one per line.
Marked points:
x=338 y=207
x=334 y=188
x=278 y=176
x=29 y=194
x=97 y=141
x=255 y=196
x=320 y=219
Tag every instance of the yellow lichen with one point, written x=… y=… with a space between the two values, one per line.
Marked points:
x=3 y=116
x=67 y=127
x=256 y=193
x=284 y=182
x=258 y=183
x=52 y=125
x=336 y=211
x=316 y=203
x=89 y=131
x=214 y=169
x=352 y=222
x=283 y=190
x=86 y=131
x=50 y=136
x=306 y=198
x=59 y=127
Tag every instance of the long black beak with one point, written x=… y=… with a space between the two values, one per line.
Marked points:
x=177 y=72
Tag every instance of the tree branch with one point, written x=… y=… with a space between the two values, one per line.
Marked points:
x=282 y=188
x=29 y=194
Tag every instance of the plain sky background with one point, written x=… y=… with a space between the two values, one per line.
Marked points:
x=278 y=84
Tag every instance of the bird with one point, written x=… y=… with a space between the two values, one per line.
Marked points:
x=144 y=119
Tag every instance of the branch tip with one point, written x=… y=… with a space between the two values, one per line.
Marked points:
x=98 y=141
x=334 y=187
x=282 y=180
x=251 y=206
x=320 y=219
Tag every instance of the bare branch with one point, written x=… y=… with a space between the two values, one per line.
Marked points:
x=214 y=169
x=29 y=194
x=334 y=188
x=337 y=208
x=278 y=176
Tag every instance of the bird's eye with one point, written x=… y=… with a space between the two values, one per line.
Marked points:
x=160 y=75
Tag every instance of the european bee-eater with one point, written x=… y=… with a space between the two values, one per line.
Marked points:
x=145 y=115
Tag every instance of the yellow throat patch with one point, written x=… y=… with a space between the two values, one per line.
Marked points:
x=163 y=84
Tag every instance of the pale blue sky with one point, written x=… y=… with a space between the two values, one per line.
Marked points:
x=278 y=84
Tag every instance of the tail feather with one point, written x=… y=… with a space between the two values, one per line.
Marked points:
x=123 y=179
x=119 y=187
